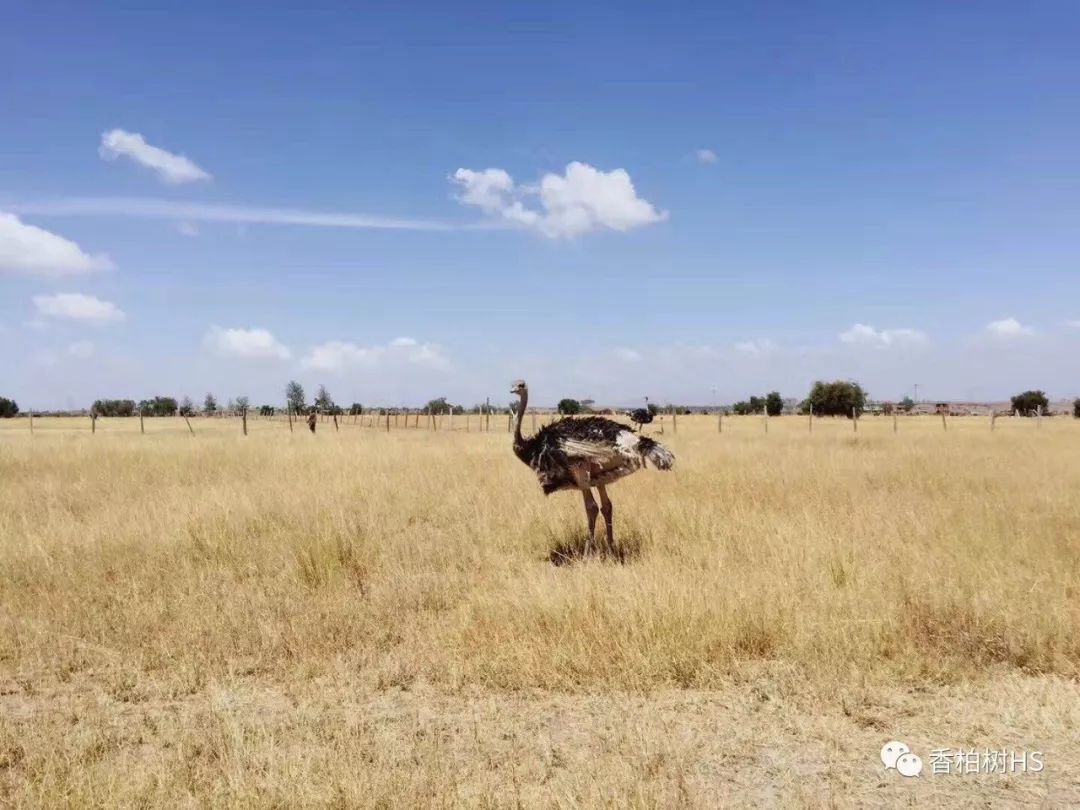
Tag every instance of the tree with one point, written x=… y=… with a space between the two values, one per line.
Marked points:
x=653 y=408
x=757 y=404
x=837 y=398
x=210 y=404
x=1076 y=409
x=324 y=403
x=907 y=404
x=439 y=405
x=294 y=395
x=8 y=408
x=1029 y=403
x=774 y=404
x=887 y=408
x=741 y=408
x=356 y=409
x=568 y=407
x=241 y=404
x=113 y=407
x=187 y=407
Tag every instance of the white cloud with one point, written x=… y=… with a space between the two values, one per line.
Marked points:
x=627 y=355
x=30 y=250
x=583 y=199
x=241 y=215
x=1008 y=328
x=705 y=156
x=861 y=334
x=187 y=229
x=755 y=348
x=338 y=355
x=77 y=307
x=1073 y=323
x=170 y=168
x=81 y=349
x=246 y=343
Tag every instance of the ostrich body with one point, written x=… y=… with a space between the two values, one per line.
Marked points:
x=584 y=453
x=641 y=416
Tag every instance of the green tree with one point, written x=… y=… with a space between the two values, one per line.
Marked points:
x=187 y=407
x=8 y=408
x=653 y=408
x=294 y=395
x=837 y=398
x=907 y=404
x=210 y=404
x=324 y=403
x=113 y=407
x=569 y=407
x=774 y=403
x=241 y=404
x=1029 y=403
x=1076 y=409
x=742 y=408
x=439 y=405
x=356 y=409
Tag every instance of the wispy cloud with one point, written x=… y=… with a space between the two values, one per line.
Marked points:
x=78 y=307
x=29 y=250
x=153 y=208
x=81 y=349
x=755 y=348
x=246 y=343
x=170 y=168
x=339 y=355
x=861 y=334
x=707 y=156
x=581 y=200
x=1008 y=328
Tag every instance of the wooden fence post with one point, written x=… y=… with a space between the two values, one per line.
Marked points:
x=855 y=419
x=189 y=427
x=1038 y=416
x=894 y=422
x=243 y=419
x=31 y=421
x=487 y=415
x=334 y=415
x=93 y=423
x=674 y=423
x=765 y=419
x=142 y=427
x=387 y=420
x=810 y=420
x=719 y=421
x=288 y=415
x=944 y=424
x=993 y=418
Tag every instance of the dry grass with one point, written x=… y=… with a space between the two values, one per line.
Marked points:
x=374 y=619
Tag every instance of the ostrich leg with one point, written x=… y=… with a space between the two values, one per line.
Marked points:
x=606 y=510
x=591 y=509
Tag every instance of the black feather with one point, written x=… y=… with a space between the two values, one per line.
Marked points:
x=544 y=453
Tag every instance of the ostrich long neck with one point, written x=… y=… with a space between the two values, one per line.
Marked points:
x=522 y=402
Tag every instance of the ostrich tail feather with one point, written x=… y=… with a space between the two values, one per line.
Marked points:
x=659 y=455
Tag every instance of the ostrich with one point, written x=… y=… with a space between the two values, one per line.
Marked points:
x=584 y=453
x=640 y=416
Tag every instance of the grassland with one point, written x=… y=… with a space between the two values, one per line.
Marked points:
x=373 y=619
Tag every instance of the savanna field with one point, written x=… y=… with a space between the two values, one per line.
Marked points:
x=398 y=619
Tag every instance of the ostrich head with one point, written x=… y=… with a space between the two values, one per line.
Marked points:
x=518 y=387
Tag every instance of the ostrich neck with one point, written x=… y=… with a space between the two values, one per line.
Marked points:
x=522 y=402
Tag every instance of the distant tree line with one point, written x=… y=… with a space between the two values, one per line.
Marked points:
x=8 y=408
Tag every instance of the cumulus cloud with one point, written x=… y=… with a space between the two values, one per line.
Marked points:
x=245 y=343
x=581 y=200
x=755 y=348
x=705 y=156
x=861 y=334
x=77 y=307
x=170 y=168
x=81 y=349
x=339 y=355
x=1008 y=328
x=27 y=249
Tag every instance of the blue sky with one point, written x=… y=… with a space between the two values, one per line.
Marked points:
x=410 y=202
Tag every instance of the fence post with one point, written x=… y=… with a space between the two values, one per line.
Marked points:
x=189 y=427
x=243 y=419
x=810 y=420
x=93 y=423
x=719 y=421
x=288 y=415
x=387 y=420
x=31 y=421
x=765 y=419
x=142 y=427
x=487 y=415
x=334 y=415
x=509 y=420
x=993 y=418
x=1038 y=416
x=855 y=419
x=674 y=423
x=894 y=422
x=944 y=425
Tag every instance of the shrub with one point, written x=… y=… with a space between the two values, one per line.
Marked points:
x=837 y=398
x=1029 y=403
x=569 y=407
x=8 y=408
